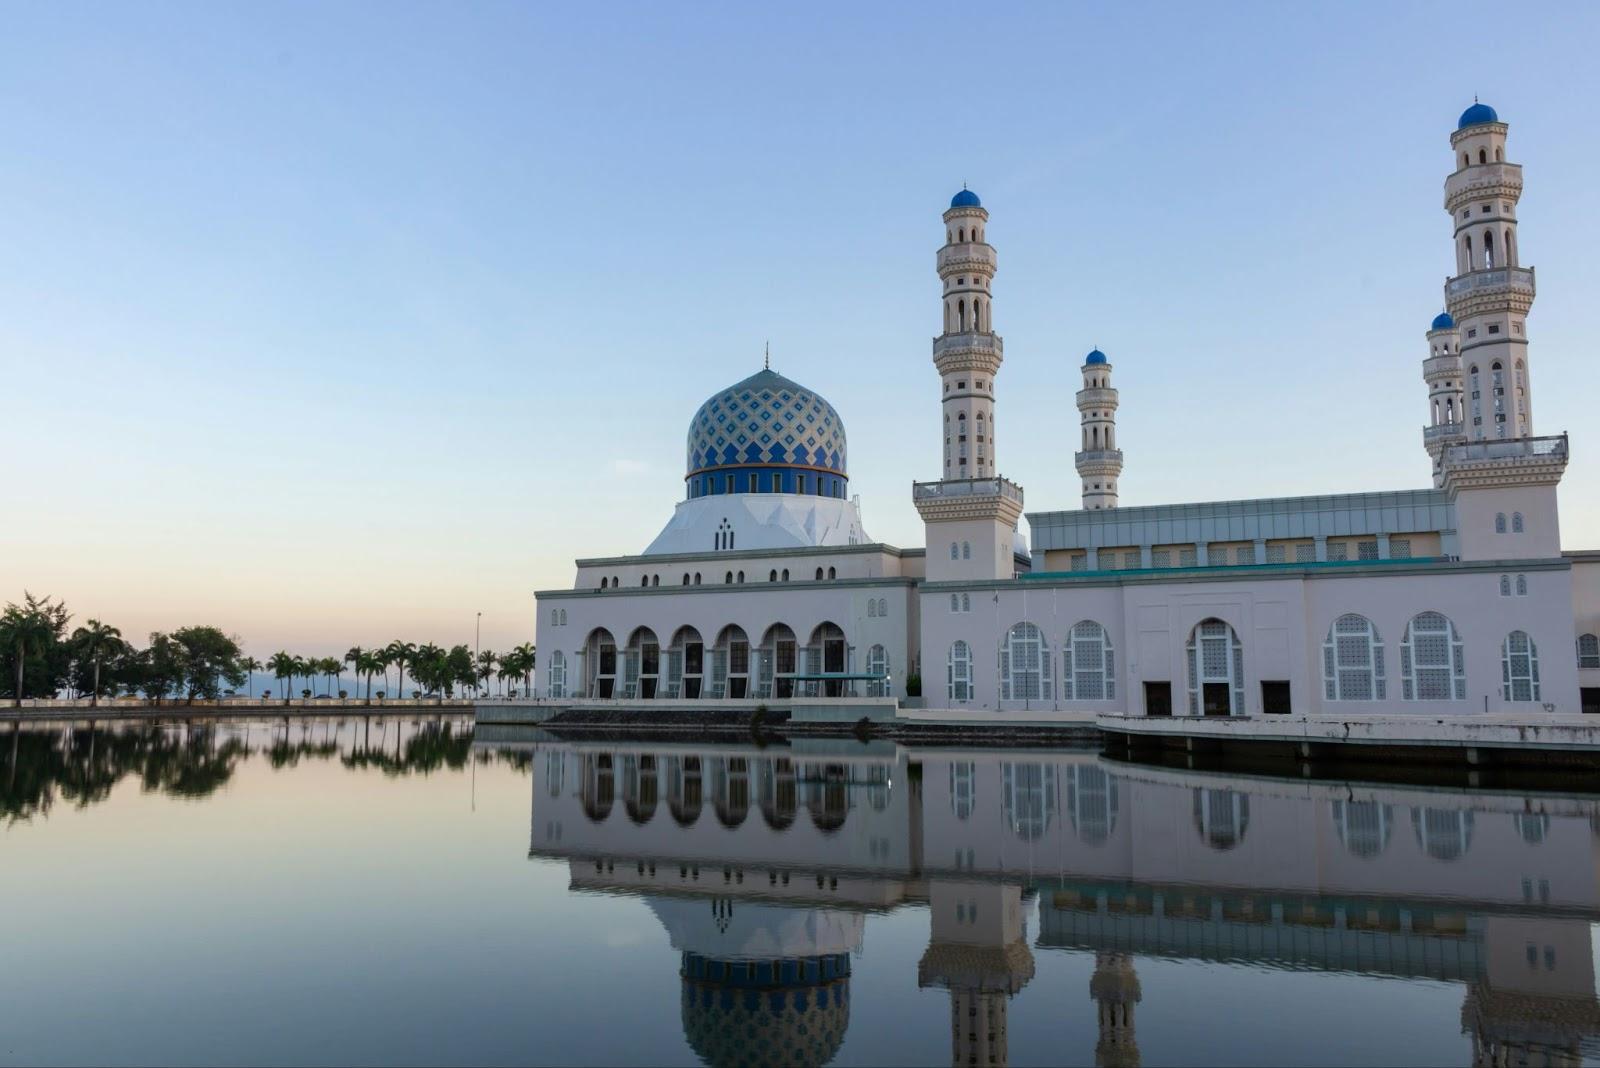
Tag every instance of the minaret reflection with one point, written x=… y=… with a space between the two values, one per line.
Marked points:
x=979 y=952
x=764 y=865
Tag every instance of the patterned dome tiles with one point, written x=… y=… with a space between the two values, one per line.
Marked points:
x=767 y=419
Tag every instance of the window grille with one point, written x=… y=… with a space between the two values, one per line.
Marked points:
x=1025 y=665
x=558 y=674
x=1275 y=554
x=958 y=672
x=1215 y=655
x=1188 y=558
x=1305 y=554
x=1088 y=664
x=1519 y=668
x=1338 y=550
x=1589 y=651
x=1161 y=558
x=1432 y=663
x=1366 y=550
x=1400 y=548
x=1352 y=661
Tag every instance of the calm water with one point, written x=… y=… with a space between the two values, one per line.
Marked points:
x=317 y=892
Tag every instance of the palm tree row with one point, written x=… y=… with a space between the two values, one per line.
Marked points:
x=432 y=670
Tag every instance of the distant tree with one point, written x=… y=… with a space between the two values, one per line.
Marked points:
x=428 y=667
x=400 y=654
x=282 y=665
x=32 y=647
x=331 y=666
x=93 y=644
x=487 y=662
x=305 y=668
x=210 y=658
x=459 y=668
x=368 y=664
x=526 y=655
x=249 y=665
x=353 y=658
x=161 y=667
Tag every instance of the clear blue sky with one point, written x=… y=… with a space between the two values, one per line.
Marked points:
x=334 y=323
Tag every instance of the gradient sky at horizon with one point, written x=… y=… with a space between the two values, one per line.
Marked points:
x=332 y=324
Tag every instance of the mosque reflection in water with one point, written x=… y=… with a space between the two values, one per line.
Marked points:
x=762 y=866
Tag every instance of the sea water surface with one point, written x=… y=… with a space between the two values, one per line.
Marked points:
x=313 y=891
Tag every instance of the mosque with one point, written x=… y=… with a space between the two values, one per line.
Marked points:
x=1453 y=598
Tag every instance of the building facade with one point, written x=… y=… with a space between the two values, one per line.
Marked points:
x=1456 y=598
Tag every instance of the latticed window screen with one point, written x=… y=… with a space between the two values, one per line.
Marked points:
x=1305 y=554
x=558 y=674
x=1589 y=651
x=1338 y=550
x=963 y=786
x=1366 y=550
x=1215 y=655
x=1130 y=560
x=1275 y=554
x=1432 y=663
x=1080 y=561
x=877 y=664
x=1400 y=548
x=1188 y=557
x=1519 y=668
x=1025 y=665
x=1244 y=554
x=958 y=672
x=1352 y=661
x=1161 y=558
x=1089 y=670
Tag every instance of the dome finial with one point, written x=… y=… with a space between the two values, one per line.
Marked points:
x=766 y=359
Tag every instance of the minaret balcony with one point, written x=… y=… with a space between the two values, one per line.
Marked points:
x=971 y=254
x=973 y=343
x=1490 y=280
x=1504 y=462
x=1443 y=432
x=1102 y=458
x=956 y=488
x=1441 y=367
x=1097 y=397
x=1482 y=180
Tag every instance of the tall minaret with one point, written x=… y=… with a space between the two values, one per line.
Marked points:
x=1100 y=461
x=1115 y=989
x=1441 y=370
x=971 y=513
x=968 y=353
x=1491 y=293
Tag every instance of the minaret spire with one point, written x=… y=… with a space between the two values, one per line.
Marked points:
x=766 y=359
x=1098 y=460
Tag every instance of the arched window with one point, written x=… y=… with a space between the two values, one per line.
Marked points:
x=1025 y=665
x=697 y=578
x=741 y=577
x=1519 y=668
x=686 y=578
x=1499 y=522
x=603 y=581
x=1352 y=661
x=955 y=551
x=1483 y=157
x=963 y=784
x=1028 y=798
x=786 y=574
x=955 y=603
x=961 y=235
x=553 y=617
x=772 y=576
x=966 y=602
x=563 y=617
x=832 y=573
x=961 y=315
x=958 y=672
x=1522 y=585
x=1363 y=826
x=878 y=664
x=558 y=675
x=966 y=550
x=1091 y=802
x=1505 y=585
x=872 y=608
x=1216 y=670
x=883 y=608
x=1432 y=664
x=727 y=580
x=644 y=580
x=1088 y=669
x=1443 y=833
x=1499 y=155
x=1516 y=522
x=1589 y=651
x=1532 y=827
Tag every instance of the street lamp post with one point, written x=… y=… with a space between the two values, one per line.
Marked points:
x=477 y=646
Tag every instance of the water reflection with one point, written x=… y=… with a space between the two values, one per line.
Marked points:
x=79 y=764
x=1494 y=892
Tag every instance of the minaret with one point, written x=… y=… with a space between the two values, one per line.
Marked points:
x=1100 y=461
x=1490 y=295
x=1441 y=370
x=971 y=513
x=968 y=353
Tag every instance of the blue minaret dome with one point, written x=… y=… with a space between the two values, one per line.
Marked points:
x=1096 y=356
x=1443 y=321
x=965 y=199
x=1477 y=115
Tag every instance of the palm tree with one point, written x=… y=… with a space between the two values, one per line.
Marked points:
x=282 y=666
x=400 y=654
x=526 y=654
x=25 y=628
x=486 y=665
x=331 y=667
x=248 y=665
x=353 y=658
x=368 y=665
x=304 y=668
x=94 y=640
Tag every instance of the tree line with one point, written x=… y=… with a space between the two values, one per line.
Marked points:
x=41 y=657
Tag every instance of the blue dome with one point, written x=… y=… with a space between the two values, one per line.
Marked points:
x=1095 y=357
x=1477 y=115
x=767 y=434
x=1442 y=321
x=966 y=199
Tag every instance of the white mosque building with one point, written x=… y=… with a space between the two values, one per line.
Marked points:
x=1455 y=598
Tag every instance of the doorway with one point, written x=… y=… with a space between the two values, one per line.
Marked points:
x=1158 y=698
x=1215 y=699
